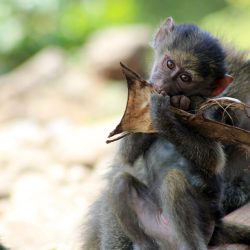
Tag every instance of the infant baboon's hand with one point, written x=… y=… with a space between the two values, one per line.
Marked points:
x=180 y=102
x=160 y=111
x=160 y=105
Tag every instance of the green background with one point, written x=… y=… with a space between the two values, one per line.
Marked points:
x=26 y=26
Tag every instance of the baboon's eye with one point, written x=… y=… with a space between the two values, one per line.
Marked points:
x=170 y=64
x=185 y=78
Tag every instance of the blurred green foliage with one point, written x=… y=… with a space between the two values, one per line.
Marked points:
x=27 y=26
x=232 y=23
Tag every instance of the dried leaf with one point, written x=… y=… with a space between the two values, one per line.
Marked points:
x=137 y=117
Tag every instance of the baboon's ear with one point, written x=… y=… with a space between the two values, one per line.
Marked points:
x=166 y=28
x=221 y=84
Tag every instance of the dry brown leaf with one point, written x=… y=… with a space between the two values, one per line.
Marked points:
x=137 y=117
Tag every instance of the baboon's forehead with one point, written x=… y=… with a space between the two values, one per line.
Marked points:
x=184 y=59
